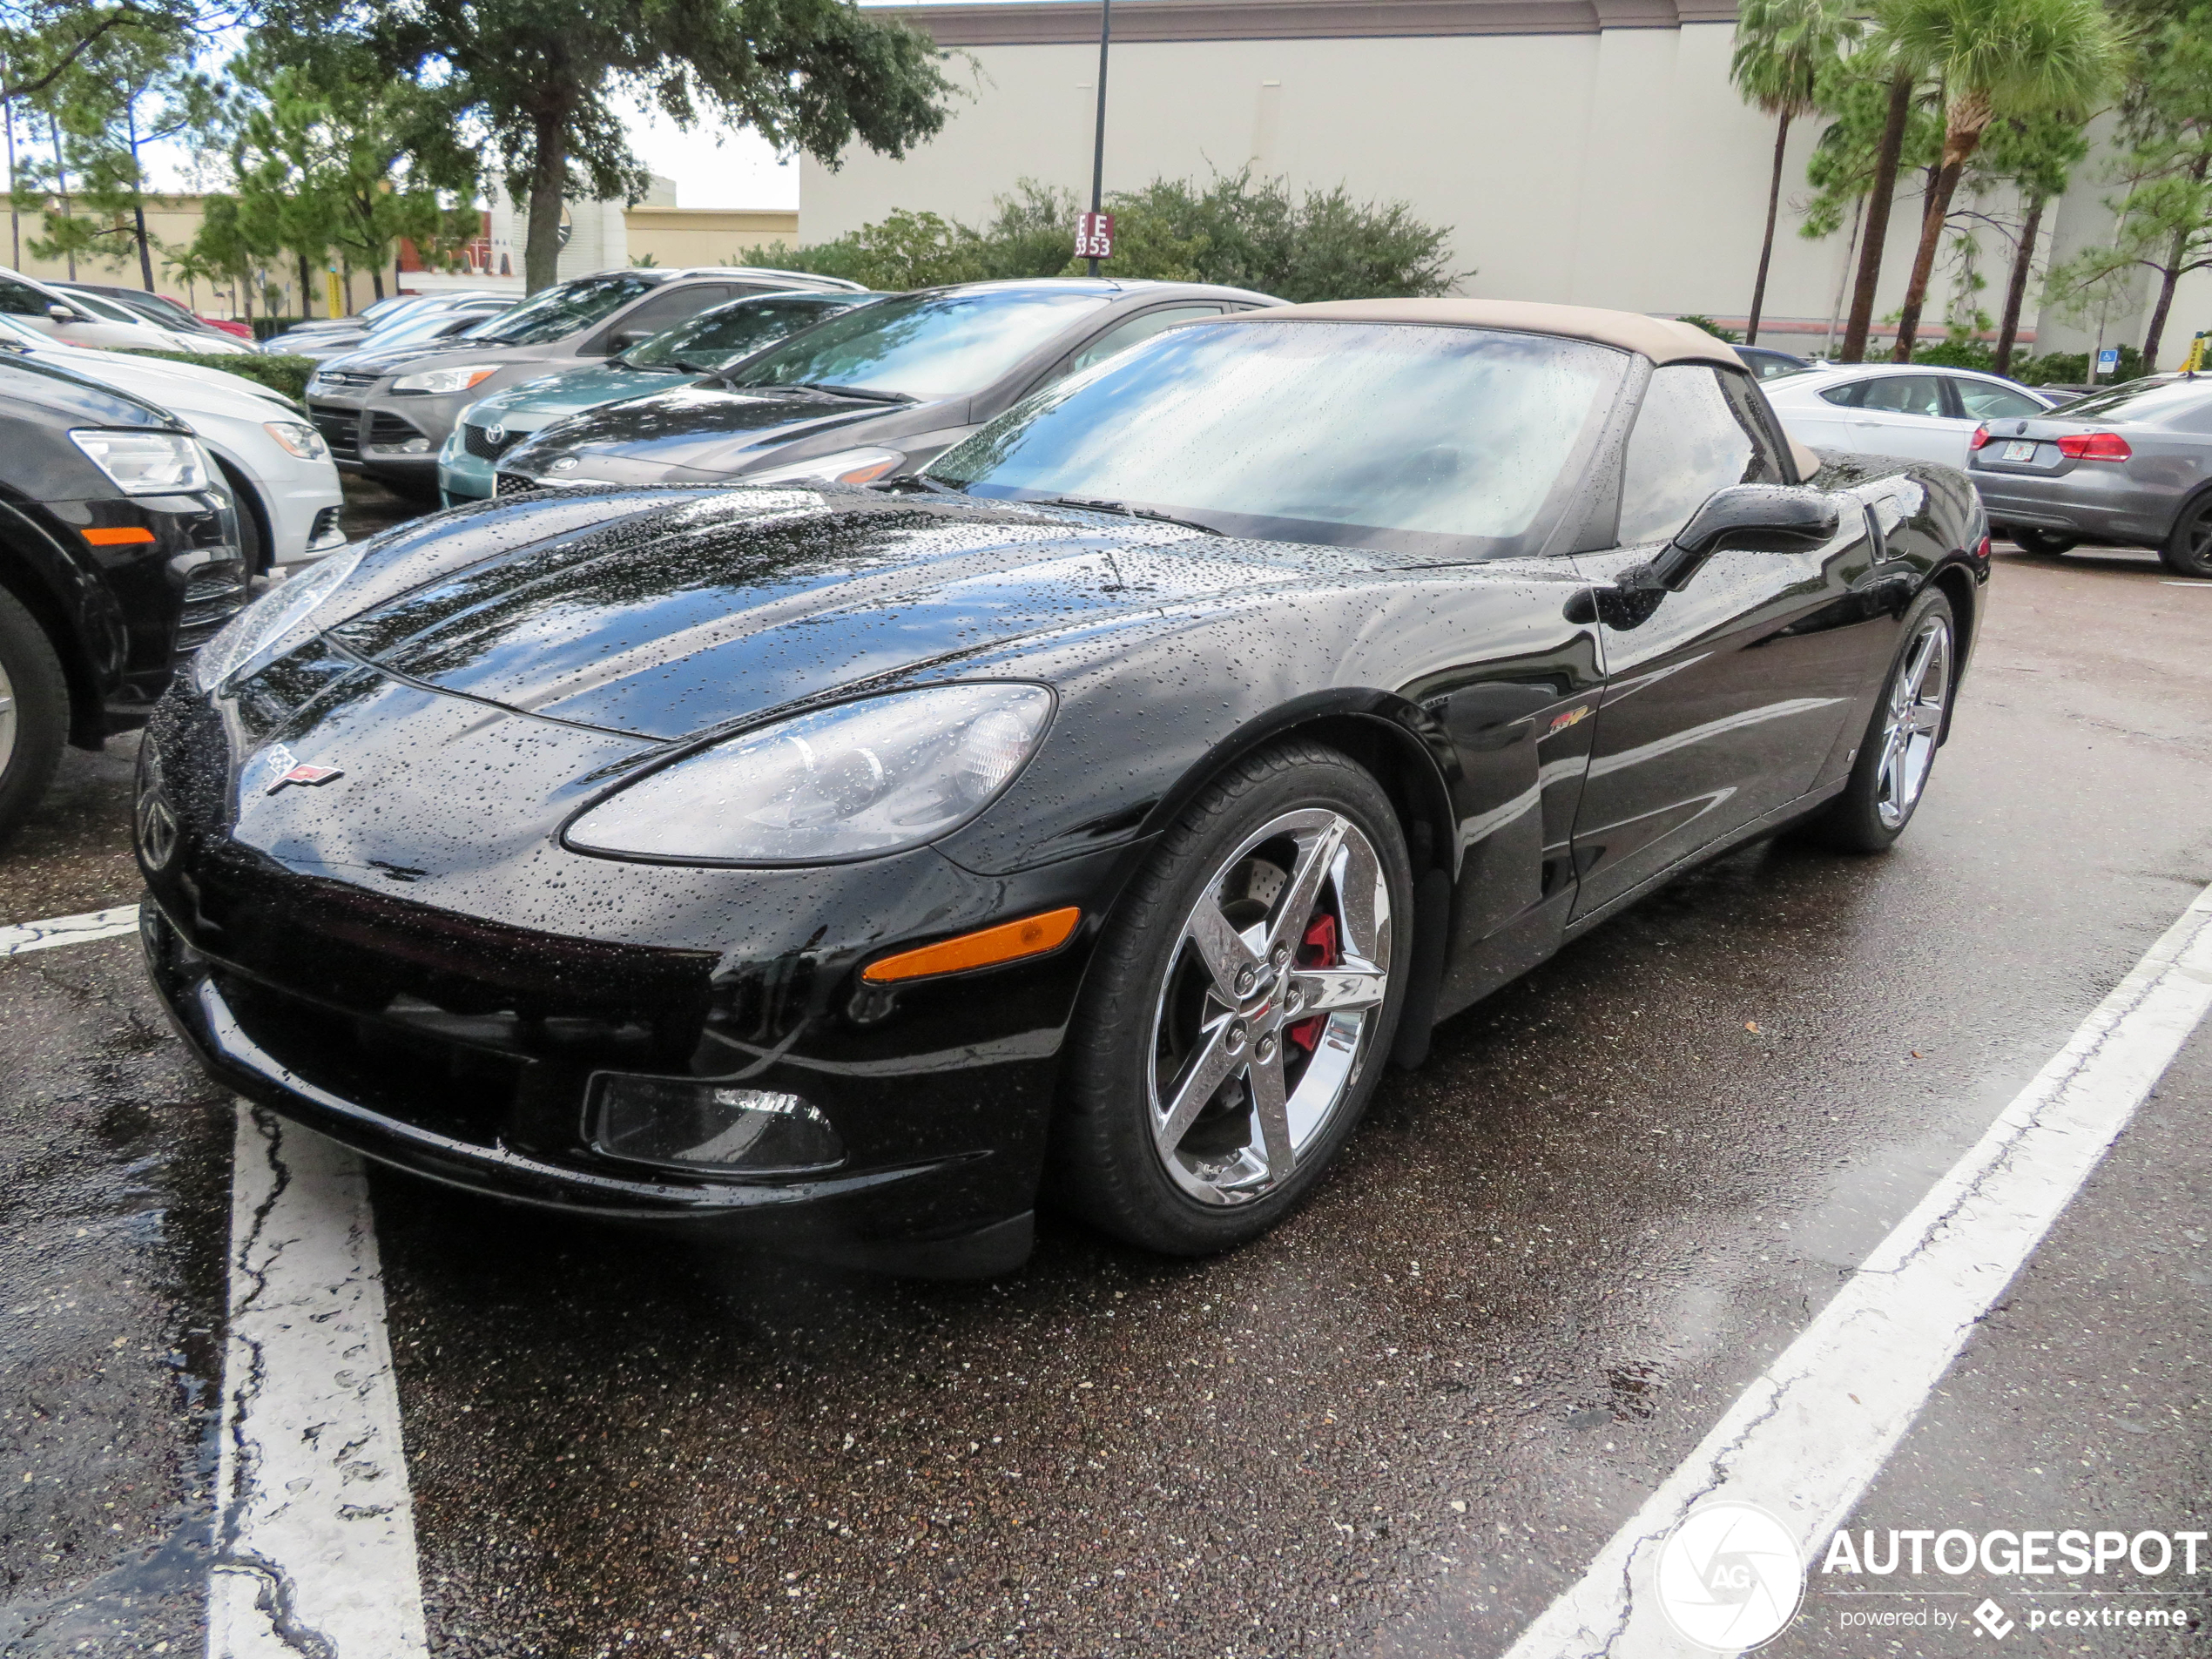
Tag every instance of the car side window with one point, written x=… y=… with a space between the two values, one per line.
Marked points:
x=1906 y=395
x=20 y=299
x=663 y=311
x=1846 y=396
x=1983 y=401
x=1690 y=439
x=1123 y=336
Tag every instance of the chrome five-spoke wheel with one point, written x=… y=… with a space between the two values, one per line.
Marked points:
x=1269 y=1002
x=1915 y=724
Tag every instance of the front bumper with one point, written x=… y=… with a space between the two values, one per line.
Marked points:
x=223 y=1016
x=2097 y=501
x=373 y=432
x=453 y=1024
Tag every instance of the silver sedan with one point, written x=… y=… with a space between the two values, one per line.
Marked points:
x=2132 y=465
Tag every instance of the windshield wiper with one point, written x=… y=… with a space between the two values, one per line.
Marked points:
x=1123 y=509
x=905 y=481
x=866 y=395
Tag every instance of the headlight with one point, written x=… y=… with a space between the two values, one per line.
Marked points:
x=459 y=378
x=846 y=467
x=145 y=463
x=849 y=782
x=272 y=625
x=300 y=439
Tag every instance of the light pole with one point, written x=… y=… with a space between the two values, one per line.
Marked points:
x=1098 y=142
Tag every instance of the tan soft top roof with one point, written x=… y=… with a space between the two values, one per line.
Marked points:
x=1661 y=339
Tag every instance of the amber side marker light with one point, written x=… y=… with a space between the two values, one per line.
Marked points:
x=128 y=537
x=1008 y=942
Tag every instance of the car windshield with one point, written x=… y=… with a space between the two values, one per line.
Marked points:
x=157 y=309
x=96 y=306
x=925 y=345
x=2151 y=401
x=716 y=339
x=428 y=325
x=1450 y=442
x=560 y=312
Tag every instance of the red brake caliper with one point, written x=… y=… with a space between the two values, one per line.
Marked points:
x=1318 y=949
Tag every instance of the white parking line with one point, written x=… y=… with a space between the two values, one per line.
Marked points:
x=314 y=1527
x=1807 y=1437
x=68 y=930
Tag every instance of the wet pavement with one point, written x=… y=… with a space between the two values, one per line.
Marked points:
x=1400 y=1425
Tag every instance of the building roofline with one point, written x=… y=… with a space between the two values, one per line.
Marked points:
x=1039 y=23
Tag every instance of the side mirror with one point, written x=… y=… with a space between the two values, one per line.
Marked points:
x=628 y=337
x=61 y=313
x=1761 y=518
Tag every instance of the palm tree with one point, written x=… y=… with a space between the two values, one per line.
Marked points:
x=1780 y=46
x=1995 y=58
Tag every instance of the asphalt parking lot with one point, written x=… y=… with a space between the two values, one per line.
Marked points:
x=1402 y=1424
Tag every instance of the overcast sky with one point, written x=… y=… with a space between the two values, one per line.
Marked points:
x=738 y=171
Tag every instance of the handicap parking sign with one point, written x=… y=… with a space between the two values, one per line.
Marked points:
x=2108 y=357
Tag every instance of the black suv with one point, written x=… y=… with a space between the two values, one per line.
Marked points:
x=118 y=558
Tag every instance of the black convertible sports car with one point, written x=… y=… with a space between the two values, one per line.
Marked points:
x=1101 y=808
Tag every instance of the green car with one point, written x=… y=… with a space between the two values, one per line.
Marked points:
x=702 y=345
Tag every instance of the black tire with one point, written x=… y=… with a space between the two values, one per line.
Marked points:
x=1105 y=1164
x=1866 y=817
x=35 y=726
x=2188 y=550
x=252 y=542
x=2045 y=544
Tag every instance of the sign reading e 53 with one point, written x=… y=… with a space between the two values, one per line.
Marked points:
x=1094 y=236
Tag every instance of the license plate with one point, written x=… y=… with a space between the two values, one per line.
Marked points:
x=2020 y=450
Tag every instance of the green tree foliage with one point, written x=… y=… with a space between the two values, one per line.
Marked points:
x=2164 y=207
x=1782 y=48
x=1995 y=57
x=1234 y=230
x=335 y=156
x=2036 y=155
x=545 y=80
x=132 y=87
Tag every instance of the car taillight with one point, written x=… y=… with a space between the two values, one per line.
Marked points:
x=1982 y=552
x=2094 y=446
x=1980 y=437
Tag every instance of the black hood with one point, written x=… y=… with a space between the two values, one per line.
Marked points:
x=692 y=610
x=712 y=430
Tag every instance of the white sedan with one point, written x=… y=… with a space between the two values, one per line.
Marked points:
x=276 y=463
x=1909 y=409
x=87 y=320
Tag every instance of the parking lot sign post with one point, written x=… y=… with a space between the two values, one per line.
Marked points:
x=2107 y=362
x=1084 y=232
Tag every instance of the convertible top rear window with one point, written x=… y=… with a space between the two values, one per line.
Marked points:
x=1453 y=442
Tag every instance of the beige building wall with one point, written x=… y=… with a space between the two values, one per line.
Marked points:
x=1584 y=151
x=675 y=236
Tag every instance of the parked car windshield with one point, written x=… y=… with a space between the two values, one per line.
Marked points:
x=560 y=312
x=101 y=308
x=432 y=324
x=2145 y=400
x=1445 y=441
x=718 y=338
x=925 y=345
x=157 y=309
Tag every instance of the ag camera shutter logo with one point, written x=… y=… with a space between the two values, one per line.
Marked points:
x=1729 y=1576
